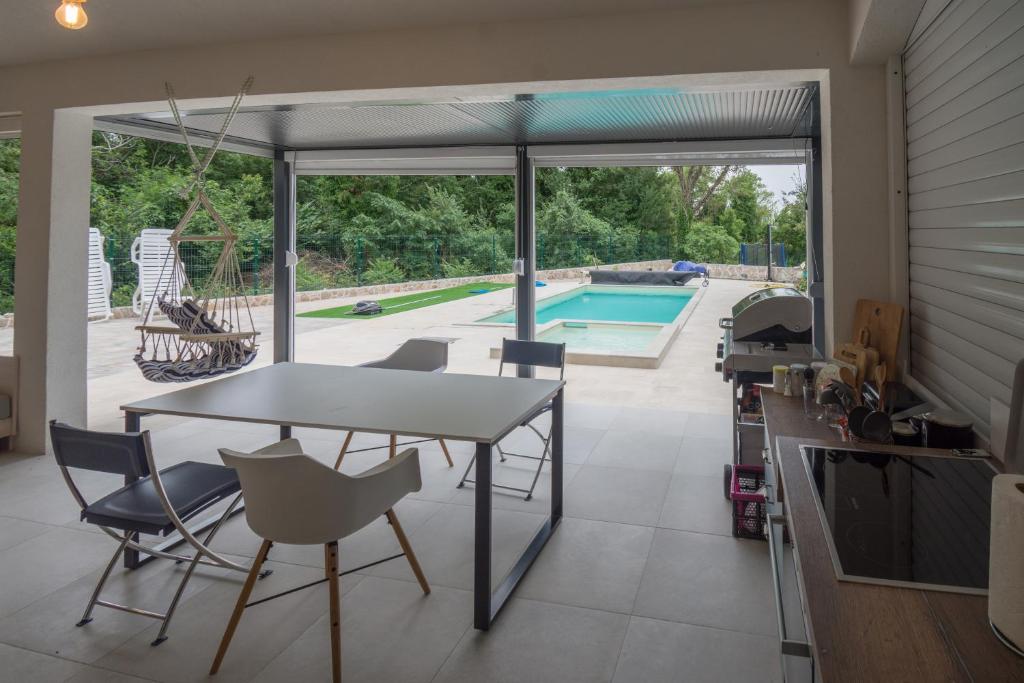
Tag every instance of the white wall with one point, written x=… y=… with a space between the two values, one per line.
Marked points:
x=730 y=40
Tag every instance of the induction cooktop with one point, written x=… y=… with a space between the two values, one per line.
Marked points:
x=919 y=521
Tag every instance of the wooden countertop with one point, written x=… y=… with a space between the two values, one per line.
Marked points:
x=868 y=633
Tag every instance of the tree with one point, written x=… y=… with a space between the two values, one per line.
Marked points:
x=706 y=243
x=790 y=226
x=698 y=185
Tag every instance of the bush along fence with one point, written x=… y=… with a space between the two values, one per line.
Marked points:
x=337 y=263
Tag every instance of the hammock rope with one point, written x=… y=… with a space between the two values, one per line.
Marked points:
x=212 y=331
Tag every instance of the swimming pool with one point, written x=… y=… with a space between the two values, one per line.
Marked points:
x=608 y=304
x=619 y=325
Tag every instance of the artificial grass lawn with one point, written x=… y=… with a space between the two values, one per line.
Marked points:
x=409 y=302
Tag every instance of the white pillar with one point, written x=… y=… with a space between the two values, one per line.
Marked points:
x=51 y=266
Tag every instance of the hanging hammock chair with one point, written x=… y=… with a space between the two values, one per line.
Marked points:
x=212 y=330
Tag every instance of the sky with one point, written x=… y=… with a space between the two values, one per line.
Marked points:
x=779 y=179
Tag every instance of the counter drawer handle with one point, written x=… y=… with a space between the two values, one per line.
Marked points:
x=796 y=648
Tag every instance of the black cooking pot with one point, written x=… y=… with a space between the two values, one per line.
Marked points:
x=947 y=429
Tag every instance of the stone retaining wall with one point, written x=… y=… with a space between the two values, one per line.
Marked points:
x=725 y=272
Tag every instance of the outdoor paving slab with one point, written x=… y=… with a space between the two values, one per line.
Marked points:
x=17 y=664
x=539 y=642
x=696 y=504
x=590 y=564
x=636 y=450
x=666 y=652
x=390 y=631
x=613 y=494
x=708 y=580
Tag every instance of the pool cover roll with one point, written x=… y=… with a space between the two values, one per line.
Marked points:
x=640 y=277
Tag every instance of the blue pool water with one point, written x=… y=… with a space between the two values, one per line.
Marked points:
x=608 y=305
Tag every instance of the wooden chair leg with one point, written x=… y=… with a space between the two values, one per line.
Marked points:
x=407 y=549
x=447 y=455
x=344 y=447
x=243 y=598
x=393 y=446
x=335 y=597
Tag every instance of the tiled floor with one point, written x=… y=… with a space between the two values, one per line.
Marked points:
x=642 y=582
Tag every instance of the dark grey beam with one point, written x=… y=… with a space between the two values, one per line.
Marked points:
x=284 y=275
x=816 y=232
x=526 y=291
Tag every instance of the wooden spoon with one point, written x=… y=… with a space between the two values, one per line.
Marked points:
x=880 y=378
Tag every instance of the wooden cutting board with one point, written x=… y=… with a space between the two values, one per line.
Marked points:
x=884 y=322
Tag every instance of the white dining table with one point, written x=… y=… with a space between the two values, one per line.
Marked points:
x=456 y=407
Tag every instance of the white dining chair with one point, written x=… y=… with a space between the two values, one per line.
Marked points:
x=421 y=354
x=292 y=498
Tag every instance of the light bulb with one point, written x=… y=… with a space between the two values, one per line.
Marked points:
x=71 y=14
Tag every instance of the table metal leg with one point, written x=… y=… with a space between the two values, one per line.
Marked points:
x=132 y=423
x=485 y=604
x=482 y=544
x=286 y=432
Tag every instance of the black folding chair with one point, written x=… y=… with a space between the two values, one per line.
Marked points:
x=141 y=506
x=534 y=354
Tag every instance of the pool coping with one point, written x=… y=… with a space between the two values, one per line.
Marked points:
x=650 y=359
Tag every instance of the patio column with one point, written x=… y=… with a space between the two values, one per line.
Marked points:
x=284 y=243
x=525 y=250
x=816 y=243
x=52 y=255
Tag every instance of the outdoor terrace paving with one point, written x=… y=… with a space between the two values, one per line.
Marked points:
x=641 y=582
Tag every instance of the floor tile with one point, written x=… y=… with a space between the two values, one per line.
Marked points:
x=444 y=546
x=705 y=457
x=539 y=642
x=707 y=580
x=652 y=420
x=390 y=632
x=709 y=426
x=696 y=504
x=591 y=415
x=640 y=450
x=47 y=562
x=14 y=531
x=590 y=564
x=48 y=624
x=263 y=633
x=665 y=652
x=19 y=665
x=617 y=495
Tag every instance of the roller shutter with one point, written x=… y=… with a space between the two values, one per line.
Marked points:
x=964 y=79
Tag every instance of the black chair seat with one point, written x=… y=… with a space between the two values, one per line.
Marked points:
x=191 y=487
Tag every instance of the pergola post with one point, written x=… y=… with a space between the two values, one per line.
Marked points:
x=816 y=236
x=525 y=251
x=284 y=243
x=52 y=256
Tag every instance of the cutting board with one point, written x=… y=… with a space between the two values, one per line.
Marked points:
x=884 y=322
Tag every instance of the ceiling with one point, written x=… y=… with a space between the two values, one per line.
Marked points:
x=128 y=25
x=765 y=111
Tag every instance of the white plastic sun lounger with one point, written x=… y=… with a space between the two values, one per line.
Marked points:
x=99 y=278
x=152 y=254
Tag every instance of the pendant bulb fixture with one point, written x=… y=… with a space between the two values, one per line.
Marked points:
x=71 y=14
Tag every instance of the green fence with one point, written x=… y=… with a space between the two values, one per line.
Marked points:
x=327 y=262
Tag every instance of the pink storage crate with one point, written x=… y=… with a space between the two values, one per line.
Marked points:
x=748 y=506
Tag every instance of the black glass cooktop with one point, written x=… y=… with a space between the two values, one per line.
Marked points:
x=906 y=520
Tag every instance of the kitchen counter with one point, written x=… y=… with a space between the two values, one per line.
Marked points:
x=868 y=633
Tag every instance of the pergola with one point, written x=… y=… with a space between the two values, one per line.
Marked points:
x=763 y=123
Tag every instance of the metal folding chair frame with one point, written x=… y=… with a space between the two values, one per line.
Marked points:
x=127 y=540
x=545 y=440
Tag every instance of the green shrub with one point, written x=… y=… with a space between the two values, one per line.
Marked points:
x=382 y=271
x=122 y=295
x=710 y=244
x=460 y=267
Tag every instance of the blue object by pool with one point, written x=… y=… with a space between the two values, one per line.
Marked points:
x=479 y=291
x=634 y=305
x=541 y=284
x=689 y=267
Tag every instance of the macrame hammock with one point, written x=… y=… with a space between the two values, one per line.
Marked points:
x=212 y=331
